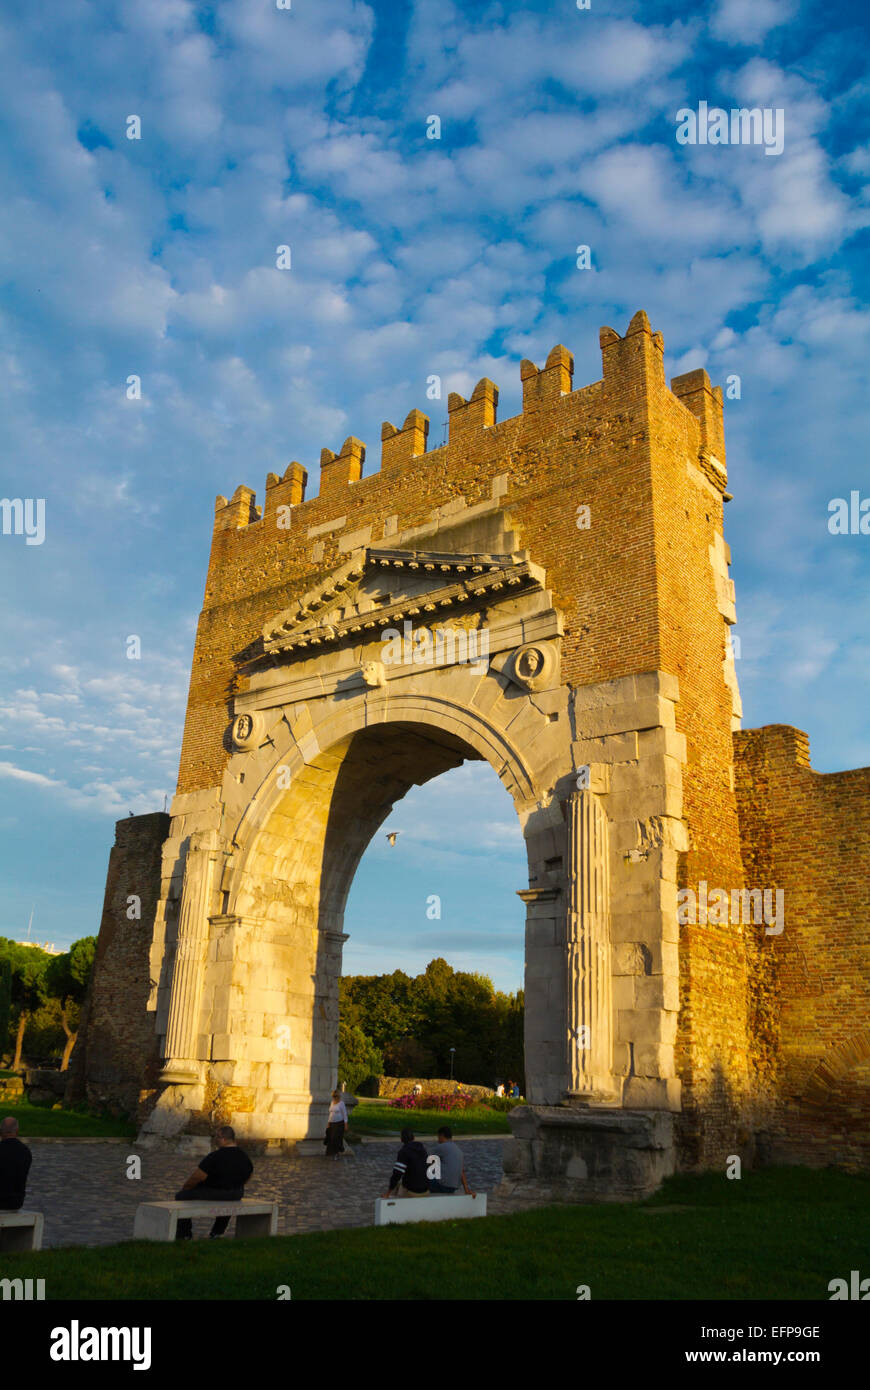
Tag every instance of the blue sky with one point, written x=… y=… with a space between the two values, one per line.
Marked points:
x=307 y=127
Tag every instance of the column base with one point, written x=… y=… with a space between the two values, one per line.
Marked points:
x=603 y=1098
x=181 y=1073
x=568 y=1153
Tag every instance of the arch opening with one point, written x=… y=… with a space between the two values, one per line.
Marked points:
x=287 y=911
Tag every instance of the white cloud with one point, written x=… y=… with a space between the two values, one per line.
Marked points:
x=747 y=22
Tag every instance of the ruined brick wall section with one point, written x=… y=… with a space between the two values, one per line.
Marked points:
x=588 y=446
x=695 y=607
x=116 y=1051
x=808 y=833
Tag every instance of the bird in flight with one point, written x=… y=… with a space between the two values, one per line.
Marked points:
x=391 y=836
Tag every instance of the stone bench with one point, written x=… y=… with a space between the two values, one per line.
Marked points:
x=159 y=1220
x=21 y=1230
x=392 y=1211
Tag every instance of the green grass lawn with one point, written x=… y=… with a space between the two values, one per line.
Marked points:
x=40 y=1122
x=780 y=1233
x=367 y=1118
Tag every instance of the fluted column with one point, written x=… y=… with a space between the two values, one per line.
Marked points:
x=181 y=1063
x=589 y=995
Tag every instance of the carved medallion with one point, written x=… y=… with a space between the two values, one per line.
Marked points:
x=534 y=666
x=247 y=731
x=373 y=673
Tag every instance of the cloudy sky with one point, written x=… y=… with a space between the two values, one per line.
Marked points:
x=307 y=127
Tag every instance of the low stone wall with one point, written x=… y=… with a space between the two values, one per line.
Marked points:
x=392 y=1086
x=43 y=1085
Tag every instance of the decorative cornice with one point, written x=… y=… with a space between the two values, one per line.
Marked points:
x=474 y=577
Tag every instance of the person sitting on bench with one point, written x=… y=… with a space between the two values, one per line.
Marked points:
x=452 y=1166
x=15 y=1160
x=220 y=1177
x=409 y=1169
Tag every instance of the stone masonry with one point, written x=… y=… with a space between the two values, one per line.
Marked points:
x=549 y=593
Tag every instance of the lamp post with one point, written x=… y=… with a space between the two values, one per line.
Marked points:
x=452 y=1050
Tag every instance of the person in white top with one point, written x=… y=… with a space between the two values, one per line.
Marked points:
x=336 y=1126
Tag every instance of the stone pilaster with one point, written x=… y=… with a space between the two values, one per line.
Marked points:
x=181 y=1064
x=588 y=993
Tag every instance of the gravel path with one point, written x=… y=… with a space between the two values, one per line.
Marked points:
x=87 y=1198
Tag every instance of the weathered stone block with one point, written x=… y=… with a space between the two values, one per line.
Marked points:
x=646 y=1026
x=658 y=992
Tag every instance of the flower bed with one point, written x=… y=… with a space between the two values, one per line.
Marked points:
x=442 y=1100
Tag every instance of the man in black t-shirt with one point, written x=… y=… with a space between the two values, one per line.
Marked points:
x=409 y=1169
x=15 y=1160
x=220 y=1177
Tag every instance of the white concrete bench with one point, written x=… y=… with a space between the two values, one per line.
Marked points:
x=159 y=1220
x=438 y=1206
x=21 y=1230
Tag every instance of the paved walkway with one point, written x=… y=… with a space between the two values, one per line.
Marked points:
x=87 y=1199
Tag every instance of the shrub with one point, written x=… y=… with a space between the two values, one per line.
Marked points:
x=449 y=1100
x=408 y=1102
x=434 y=1100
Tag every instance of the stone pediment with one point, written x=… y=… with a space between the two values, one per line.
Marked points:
x=376 y=589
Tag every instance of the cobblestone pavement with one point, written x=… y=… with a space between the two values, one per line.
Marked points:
x=87 y=1199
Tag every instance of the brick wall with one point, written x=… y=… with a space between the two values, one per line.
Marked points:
x=116 y=1053
x=763 y=1020
x=808 y=833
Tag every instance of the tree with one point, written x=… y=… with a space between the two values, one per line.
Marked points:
x=416 y=1022
x=5 y=1002
x=409 y=1057
x=66 y=979
x=28 y=992
x=358 y=1058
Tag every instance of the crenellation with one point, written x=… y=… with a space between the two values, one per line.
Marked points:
x=288 y=491
x=238 y=512
x=623 y=477
x=468 y=417
x=705 y=403
x=338 y=470
x=542 y=387
x=399 y=447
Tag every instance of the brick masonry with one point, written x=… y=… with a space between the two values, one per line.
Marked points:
x=646 y=691
x=808 y=833
x=115 y=1056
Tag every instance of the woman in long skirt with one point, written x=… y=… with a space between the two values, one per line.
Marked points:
x=336 y=1126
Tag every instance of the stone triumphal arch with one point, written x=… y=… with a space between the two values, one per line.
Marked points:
x=550 y=594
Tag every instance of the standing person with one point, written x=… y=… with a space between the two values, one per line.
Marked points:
x=452 y=1166
x=220 y=1177
x=15 y=1161
x=336 y=1126
x=409 y=1169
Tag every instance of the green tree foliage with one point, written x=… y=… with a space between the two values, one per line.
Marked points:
x=27 y=965
x=46 y=993
x=415 y=1022
x=5 y=1003
x=66 y=979
x=358 y=1058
